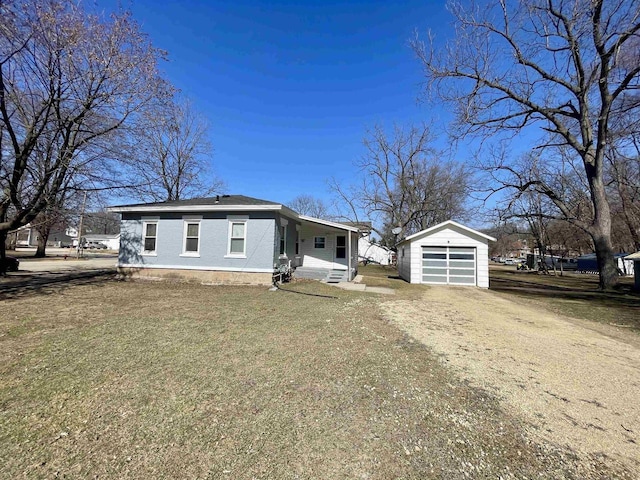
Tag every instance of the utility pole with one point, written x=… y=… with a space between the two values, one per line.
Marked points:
x=80 y=246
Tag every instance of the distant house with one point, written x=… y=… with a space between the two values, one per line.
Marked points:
x=368 y=250
x=446 y=254
x=112 y=242
x=589 y=263
x=635 y=258
x=232 y=239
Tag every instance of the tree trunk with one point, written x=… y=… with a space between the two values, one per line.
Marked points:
x=601 y=234
x=43 y=237
x=606 y=262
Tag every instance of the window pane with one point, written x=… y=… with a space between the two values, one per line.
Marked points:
x=434 y=263
x=151 y=230
x=319 y=242
x=149 y=244
x=435 y=255
x=237 y=245
x=434 y=271
x=191 y=245
x=341 y=252
x=341 y=241
x=461 y=256
x=192 y=229
x=237 y=230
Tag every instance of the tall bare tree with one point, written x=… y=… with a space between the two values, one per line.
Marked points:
x=171 y=156
x=564 y=67
x=69 y=82
x=310 y=205
x=404 y=182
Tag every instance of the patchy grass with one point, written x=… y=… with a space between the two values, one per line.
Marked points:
x=387 y=276
x=161 y=380
x=572 y=295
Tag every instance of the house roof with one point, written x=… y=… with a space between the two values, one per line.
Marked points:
x=633 y=256
x=446 y=224
x=219 y=202
x=228 y=203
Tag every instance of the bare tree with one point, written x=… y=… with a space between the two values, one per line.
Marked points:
x=171 y=158
x=310 y=205
x=69 y=82
x=561 y=66
x=405 y=183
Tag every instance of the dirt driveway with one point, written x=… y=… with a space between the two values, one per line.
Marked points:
x=574 y=387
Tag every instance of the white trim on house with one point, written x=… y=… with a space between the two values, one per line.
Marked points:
x=186 y=221
x=443 y=224
x=191 y=267
x=154 y=252
x=231 y=220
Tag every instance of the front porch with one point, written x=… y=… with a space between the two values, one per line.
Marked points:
x=328 y=251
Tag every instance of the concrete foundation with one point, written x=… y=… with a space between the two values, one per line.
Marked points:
x=200 y=276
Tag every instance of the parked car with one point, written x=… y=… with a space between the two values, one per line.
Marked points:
x=509 y=261
x=12 y=264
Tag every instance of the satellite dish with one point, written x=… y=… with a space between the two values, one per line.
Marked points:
x=396 y=231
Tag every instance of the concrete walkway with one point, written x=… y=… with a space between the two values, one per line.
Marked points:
x=356 y=286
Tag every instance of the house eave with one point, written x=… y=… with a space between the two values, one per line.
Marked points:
x=193 y=208
x=328 y=223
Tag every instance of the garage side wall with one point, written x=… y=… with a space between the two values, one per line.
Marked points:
x=404 y=261
x=451 y=237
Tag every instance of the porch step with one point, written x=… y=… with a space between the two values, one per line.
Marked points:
x=337 y=276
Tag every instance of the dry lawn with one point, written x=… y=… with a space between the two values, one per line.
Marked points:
x=115 y=379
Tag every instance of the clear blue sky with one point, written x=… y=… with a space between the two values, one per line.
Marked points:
x=289 y=87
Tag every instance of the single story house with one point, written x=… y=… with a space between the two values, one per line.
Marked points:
x=446 y=254
x=232 y=239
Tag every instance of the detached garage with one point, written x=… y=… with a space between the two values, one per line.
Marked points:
x=445 y=254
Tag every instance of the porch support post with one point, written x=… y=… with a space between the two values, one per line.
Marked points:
x=349 y=254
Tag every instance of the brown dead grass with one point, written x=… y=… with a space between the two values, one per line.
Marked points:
x=572 y=295
x=162 y=380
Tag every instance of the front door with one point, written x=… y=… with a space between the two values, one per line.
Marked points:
x=340 y=255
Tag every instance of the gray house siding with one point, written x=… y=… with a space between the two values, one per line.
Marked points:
x=214 y=242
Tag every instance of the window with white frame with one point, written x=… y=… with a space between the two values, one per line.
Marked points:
x=319 y=242
x=149 y=237
x=237 y=237
x=191 y=245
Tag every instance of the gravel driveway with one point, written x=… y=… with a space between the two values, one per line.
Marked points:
x=574 y=387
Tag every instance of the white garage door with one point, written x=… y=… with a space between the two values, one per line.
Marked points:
x=449 y=265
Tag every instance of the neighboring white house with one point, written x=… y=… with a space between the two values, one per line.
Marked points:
x=368 y=250
x=635 y=258
x=446 y=254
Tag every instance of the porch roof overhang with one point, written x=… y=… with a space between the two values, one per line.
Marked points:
x=327 y=223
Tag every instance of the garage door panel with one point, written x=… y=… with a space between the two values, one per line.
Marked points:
x=463 y=271
x=434 y=263
x=455 y=280
x=449 y=265
x=435 y=279
x=462 y=263
x=435 y=271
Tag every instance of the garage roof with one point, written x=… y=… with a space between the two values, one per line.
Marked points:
x=446 y=224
